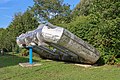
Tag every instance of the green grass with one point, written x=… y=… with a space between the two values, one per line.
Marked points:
x=52 y=70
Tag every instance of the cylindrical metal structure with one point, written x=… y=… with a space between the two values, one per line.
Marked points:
x=68 y=44
x=64 y=38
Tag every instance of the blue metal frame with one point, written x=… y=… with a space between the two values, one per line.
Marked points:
x=30 y=55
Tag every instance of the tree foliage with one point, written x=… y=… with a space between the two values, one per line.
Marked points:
x=21 y=23
x=51 y=9
x=98 y=22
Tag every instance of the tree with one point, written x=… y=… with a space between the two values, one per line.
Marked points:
x=98 y=22
x=47 y=9
x=82 y=8
x=21 y=23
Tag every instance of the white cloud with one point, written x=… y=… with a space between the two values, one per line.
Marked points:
x=4 y=8
x=4 y=1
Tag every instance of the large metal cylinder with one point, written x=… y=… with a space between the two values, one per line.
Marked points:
x=64 y=38
x=68 y=44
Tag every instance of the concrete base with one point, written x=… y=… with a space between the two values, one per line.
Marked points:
x=84 y=65
x=29 y=65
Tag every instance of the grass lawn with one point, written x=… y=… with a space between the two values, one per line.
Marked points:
x=52 y=70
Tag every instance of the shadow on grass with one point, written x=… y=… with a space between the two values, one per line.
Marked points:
x=12 y=60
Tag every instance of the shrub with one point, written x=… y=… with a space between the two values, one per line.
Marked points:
x=24 y=52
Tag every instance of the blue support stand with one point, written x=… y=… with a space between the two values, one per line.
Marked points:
x=30 y=64
x=30 y=55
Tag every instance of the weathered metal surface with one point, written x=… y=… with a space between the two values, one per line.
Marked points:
x=57 y=55
x=66 y=46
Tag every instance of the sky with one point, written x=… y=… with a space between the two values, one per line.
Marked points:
x=9 y=7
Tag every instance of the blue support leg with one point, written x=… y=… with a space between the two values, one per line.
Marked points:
x=30 y=55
